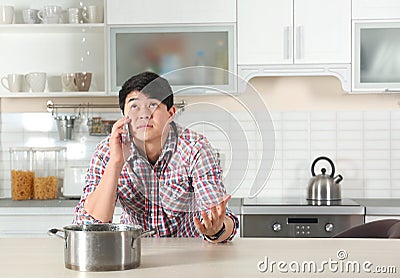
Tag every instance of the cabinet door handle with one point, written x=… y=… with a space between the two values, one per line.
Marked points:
x=287 y=42
x=299 y=42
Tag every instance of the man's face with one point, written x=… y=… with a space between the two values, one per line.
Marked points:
x=150 y=117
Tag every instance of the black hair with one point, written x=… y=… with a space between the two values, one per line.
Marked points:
x=151 y=85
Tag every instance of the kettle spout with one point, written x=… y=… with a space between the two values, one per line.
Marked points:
x=338 y=178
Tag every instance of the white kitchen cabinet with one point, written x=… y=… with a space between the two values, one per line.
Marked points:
x=36 y=221
x=172 y=11
x=294 y=32
x=376 y=59
x=375 y=9
x=264 y=31
x=54 y=49
x=294 y=38
x=142 y=36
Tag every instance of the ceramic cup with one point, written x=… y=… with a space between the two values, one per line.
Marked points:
x=6 y=14
x=68 y=82
x=83 y=80
x=94 y=14
x=30 y=16
x=50 y=14
x=36 y=81
x=14 y=81
x=74 y=15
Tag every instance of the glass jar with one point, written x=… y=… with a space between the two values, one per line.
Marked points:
x=96 y=127
x=48 y=165
x=22 y=175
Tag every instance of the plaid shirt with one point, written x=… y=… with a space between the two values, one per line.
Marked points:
x=185 y=180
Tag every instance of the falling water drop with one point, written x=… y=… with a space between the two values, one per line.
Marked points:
x=84 y=46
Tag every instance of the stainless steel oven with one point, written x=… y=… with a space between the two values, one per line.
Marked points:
x=262 y=217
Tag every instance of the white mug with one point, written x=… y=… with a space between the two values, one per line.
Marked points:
x=51 y=14
x=94 y=14
x=30 y=16
x=74 y=15
x=6 y=14
x=15 y=82
x=36 y=81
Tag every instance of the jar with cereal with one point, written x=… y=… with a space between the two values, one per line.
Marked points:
x=48 y=165
x=22 y=175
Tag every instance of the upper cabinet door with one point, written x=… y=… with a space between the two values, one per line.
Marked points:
x=171 y=11
x=319 y=34
x=322 y=31
x=376 y=9
x=265 y=32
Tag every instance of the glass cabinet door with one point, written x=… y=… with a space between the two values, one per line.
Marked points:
x=376 y=61
x=164 y=50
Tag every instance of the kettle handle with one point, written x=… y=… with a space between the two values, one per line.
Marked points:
x=323 y=158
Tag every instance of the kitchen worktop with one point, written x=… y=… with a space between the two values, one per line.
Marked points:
x=183 y=257
x=56 y=203
x=380 y=206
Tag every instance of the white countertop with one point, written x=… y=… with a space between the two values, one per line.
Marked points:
x=182 y=257
x=380 y=206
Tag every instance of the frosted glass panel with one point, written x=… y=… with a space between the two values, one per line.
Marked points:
x=135 y=50
x=380 y=55
x=165 y=52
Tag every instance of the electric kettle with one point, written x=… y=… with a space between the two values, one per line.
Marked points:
x=324 y=187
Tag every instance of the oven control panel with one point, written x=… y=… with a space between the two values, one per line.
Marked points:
x=297 y=225
x=299 y=230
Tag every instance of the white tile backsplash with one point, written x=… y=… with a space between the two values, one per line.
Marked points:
x=350 y=135
x=376 y=193
x=395 y=194
x=323 y=116
x=349 y=145
x=364 y=145
x=354 y=156
x=322 y=125
x=377 y=135
x=377 y=144
x=350 y=125
x=349 y=115
x=376 y=125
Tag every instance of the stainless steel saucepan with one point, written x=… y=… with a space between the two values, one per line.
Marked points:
x=101 y=247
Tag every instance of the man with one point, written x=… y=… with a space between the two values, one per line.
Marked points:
x=165 y=177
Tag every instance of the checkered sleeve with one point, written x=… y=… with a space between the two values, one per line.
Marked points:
x=98 y=163
x=207 y=180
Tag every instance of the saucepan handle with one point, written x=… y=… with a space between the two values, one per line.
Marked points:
x=148 y=233
x=55 y=231
x=143 y=234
